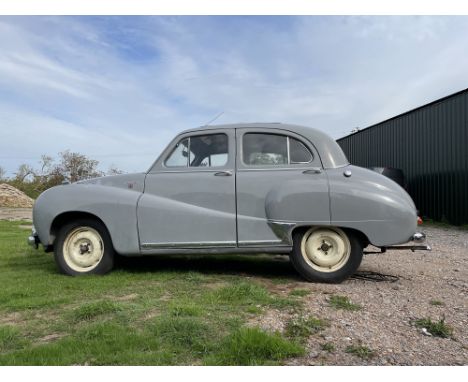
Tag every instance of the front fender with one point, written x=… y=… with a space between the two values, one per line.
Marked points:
x=116 y=207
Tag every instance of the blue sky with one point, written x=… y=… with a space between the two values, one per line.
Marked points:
x=119 y=88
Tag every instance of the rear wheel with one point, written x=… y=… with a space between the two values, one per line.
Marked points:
x=84 y=247
x=326 y=254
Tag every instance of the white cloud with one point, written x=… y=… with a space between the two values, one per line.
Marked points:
x=110 y=86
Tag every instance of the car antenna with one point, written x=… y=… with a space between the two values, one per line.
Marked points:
x=214 y=119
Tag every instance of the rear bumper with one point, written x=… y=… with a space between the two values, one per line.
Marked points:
x=418 y=239
x=422 y=247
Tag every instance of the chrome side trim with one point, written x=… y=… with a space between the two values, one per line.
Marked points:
x=189 y=245
x=263 y=243
x=217 y=251
x=282 y=230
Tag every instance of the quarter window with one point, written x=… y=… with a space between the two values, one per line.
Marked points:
x=298 y=153
x=273 y=150
x=179 y=155
x=209 y=150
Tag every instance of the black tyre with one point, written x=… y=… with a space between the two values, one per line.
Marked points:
x=326 y=254
x=84 y=247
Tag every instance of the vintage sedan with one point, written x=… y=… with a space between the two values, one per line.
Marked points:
x=244 y=188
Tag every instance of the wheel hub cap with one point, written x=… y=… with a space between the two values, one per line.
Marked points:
x=325 y=247
x=83 y=249
x=325 y=250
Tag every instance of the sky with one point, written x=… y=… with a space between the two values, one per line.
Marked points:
x=118 y=89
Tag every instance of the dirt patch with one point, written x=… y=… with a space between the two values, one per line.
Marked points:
x=151 y=314
x=13 y=214
x=272 y=320
x=50 y=338
x=127 y=297
x=11 y=319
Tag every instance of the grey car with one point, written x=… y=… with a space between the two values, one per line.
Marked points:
x=244 y=188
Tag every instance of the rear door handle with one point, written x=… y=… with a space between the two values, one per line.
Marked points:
x=313 y=170
x=223 y=173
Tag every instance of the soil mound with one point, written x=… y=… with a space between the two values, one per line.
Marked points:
x=13 y=198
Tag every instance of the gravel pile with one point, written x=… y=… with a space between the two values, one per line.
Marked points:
x=11 y=197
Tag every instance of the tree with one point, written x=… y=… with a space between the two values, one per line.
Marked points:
x=75 y=166
x=2 y=174
x=71 y=166
x=25 y=172
x=114 y=170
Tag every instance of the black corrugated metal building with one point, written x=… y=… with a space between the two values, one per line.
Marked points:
x=430 y=144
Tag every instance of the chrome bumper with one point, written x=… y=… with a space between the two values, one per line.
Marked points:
x=418 y=238
x=33 y=239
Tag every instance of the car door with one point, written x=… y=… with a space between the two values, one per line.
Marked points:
x=280 y=183
x=189 y=198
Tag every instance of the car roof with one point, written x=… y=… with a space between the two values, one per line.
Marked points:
x=330 y=152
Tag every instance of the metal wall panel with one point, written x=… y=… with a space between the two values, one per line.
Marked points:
x=430 y=144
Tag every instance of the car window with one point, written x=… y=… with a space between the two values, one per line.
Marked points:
x=265 y=149
x=210 y=150
x=298 y=153
x=273 y=150
x=179 y=155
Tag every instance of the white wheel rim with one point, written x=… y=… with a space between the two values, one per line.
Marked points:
x=325 y=249
x=83 y=249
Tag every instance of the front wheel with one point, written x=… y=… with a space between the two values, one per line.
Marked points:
x=326 y=254
x=84 y=247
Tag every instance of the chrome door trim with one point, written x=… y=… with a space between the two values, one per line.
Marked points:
x=263 y=243
x=188 y=245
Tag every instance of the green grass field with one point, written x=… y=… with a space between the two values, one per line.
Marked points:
x=148 y=311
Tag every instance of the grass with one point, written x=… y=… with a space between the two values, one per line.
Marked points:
x=436 y=303
x=328 y=347
x=360 y=351
x=253 y=346
x=148 y=311
x=436 y=328
x=299 y=292
x=301 y=328
x=10 y=338
x=342 y=302
x=92 y=310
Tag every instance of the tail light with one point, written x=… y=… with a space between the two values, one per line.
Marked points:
x=420 y=221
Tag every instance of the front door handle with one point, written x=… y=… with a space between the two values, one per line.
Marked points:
x=223 y=173
x=313 y=170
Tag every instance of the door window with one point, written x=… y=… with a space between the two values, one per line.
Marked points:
x=210 y=150
x=260 y=149
x=179 y=155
